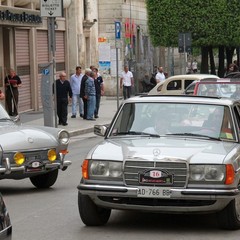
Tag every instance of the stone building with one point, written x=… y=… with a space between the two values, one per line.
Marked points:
x=85 y=35
x=24 y=47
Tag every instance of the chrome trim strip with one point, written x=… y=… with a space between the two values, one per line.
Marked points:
x=122 y=189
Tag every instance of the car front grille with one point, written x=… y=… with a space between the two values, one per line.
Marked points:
x=39 y=155
x=178 y=169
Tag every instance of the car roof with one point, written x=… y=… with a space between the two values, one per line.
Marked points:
x=221 y=80
x=181 y=99
x=191 y=76
x=195 y=77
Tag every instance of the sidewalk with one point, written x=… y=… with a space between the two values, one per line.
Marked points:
x=76 y=126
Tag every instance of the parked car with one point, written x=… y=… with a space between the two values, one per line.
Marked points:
x=5 y=223
x=31 y=152
x=222 y=87
x=175 y=85
x=166 y=154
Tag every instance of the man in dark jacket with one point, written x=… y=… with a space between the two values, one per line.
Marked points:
x=82 y=91
x=64 y=90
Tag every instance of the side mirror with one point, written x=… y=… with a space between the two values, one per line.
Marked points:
x=100 y=130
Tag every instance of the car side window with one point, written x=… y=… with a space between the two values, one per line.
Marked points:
x=236 y=110
x=174 y=85
x=187 y=83
x=190 y=89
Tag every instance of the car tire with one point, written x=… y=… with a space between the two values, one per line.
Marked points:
x=45 y=180
x=229 y=217
x=90 y=213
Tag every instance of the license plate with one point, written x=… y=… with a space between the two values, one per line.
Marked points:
x=34 y=167
x=154 y=192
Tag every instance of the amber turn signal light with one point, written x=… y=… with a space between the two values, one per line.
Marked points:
x=85 y=169
x=230 y=174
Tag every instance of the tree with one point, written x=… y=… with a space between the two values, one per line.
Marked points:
x=212 y=23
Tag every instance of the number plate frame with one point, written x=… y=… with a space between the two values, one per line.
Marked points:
x=154 y=192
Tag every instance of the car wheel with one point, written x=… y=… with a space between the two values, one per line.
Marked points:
x=229 y=217
x=45 y=180
x=90 y=213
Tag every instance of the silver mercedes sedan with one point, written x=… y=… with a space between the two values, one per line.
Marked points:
x=31 y=152
x=166 y=154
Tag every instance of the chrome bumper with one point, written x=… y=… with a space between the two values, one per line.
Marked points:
x=6 y=167
x=215 y=200
x=124 y=191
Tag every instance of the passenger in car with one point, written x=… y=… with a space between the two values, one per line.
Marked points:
x=218 y=124
x=161 y=124
x=236 y=94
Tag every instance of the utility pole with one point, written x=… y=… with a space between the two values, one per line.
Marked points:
x=117 y=44
x=50 y=9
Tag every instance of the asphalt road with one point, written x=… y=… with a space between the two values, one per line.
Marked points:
x=52 y=214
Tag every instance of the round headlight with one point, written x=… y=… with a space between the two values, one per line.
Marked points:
x=115 y=169
x=19 y=158
x=64 y=137
x=214 y=173
x=52 y=155
x=99 y=168
x=197 y=172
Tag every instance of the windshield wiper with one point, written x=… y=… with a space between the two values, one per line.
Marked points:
x=137 y=133
x=195 y=135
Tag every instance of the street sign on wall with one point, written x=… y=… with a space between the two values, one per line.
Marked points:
x=51 y=8
x=117 y=30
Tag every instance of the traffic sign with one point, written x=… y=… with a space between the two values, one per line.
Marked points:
x=45 y=71
x=51 y=8
x=184 y=42
x=117 y=30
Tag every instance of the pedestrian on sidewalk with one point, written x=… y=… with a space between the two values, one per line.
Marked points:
x=64 y=91
x=126 y=82
x=82 y=91
x=98 y=80
x=75 y=82
x=90 y=95
x=194 y=66
x=160 y=76
x=12 y=83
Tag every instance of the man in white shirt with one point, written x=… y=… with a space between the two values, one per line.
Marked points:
x=75 y=82
x=160 y=76
x=194 y=66
x=126 y=82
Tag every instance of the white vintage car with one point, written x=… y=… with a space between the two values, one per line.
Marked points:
x=31 y=152
x=166 y=154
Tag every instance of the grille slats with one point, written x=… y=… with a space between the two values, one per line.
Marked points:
x=133 y=167
x=40 y=155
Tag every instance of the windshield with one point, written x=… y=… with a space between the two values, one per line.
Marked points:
x=163 y=119
x=3 y=114
x=220 y=89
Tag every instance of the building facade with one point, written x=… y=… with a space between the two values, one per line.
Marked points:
x=24 y=47
x=84 y=35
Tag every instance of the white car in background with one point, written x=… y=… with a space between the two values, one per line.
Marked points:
x=176 y=85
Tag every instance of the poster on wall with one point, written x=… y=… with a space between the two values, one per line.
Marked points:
x=114 y=63
x=104 y=52
x=104 y=67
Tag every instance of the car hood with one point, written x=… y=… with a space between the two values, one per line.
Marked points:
x=191 y=150
x=25 y=137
